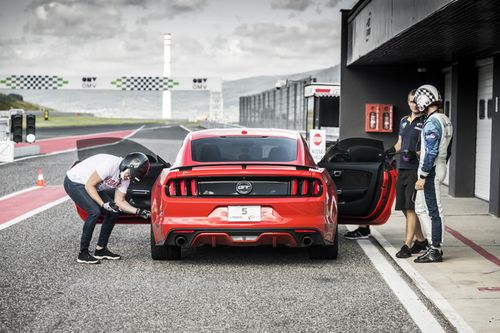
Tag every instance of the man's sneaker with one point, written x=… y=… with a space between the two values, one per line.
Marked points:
x=106 y=254
x=360 y=233
x=432 y=255
x=405 y=252
x=419 y=246
x=86 y=258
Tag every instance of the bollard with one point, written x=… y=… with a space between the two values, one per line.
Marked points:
x=46 y=114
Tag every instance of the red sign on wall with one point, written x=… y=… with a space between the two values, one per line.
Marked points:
x=378 y=118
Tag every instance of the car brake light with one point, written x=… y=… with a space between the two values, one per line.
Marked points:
x=294 y=187
x=171 y=188
x=316 y=187
x=305 y=187
x=194 y=187
x=183 y=187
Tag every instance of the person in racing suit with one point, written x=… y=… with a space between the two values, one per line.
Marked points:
x=434 y=153
x=87 y=183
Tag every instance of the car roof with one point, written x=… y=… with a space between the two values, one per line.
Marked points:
x=239 y=131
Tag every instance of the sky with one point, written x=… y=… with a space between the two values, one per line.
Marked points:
x=231 y=39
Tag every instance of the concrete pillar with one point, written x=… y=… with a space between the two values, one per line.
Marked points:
x=167 y=73
x=495 y=140
x=463 y=118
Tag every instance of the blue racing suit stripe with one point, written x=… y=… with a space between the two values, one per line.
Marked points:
x=432 y=207
x=432 y=135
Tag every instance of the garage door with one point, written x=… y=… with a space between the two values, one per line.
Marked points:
x=483 y=134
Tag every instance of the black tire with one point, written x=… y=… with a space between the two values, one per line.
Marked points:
x=157 y=252
x=325 y=251
x=173 y=252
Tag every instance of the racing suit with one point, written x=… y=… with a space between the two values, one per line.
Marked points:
x=435 y=151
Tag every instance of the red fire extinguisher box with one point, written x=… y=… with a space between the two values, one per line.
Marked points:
x=378 y=118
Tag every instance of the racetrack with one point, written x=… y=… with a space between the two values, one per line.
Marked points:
x=42 y=288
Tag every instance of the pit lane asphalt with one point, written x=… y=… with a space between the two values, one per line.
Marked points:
x=43 y=289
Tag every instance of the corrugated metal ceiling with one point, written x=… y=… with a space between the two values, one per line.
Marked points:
x=464 y=29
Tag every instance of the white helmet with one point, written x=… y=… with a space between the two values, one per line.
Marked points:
x=425 y=96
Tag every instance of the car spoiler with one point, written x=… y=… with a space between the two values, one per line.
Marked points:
x=243 y=165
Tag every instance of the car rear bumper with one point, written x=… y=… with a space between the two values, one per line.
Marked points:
x=302 y=237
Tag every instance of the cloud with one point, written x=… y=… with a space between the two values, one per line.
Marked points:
x=289 y=41
x=73 y=19
x=171 y=8
x=297 y=5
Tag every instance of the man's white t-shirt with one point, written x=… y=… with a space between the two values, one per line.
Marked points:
x=106 y=166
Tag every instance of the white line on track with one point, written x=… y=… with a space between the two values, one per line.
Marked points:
x=19 y=192
x=422 y=317
x=185 y=128
x=33 y=212
x=67 y=150
x=439 y=301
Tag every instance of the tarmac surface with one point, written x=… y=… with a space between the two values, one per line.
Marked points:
x=43 y=289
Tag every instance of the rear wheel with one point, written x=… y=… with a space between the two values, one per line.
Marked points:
x=325 y=251
x=164 y=252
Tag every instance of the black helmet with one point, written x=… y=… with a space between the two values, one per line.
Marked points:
x=138 y=164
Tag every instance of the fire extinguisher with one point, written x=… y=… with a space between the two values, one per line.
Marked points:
x=386 y=121
x=373 y=120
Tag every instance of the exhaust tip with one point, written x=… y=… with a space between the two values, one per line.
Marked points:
x=307 y=241
x=180 y=240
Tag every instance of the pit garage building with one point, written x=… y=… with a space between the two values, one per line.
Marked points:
x=389 y=47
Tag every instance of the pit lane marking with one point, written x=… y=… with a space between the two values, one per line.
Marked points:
x=70 y=149
x=439 y=301
x=417 y=310
x=48 y=197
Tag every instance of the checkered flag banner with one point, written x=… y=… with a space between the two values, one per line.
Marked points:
x=126 y=83
x=33 y=82
x=144 y=83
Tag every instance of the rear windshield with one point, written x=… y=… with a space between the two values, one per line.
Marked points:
x=247 y=149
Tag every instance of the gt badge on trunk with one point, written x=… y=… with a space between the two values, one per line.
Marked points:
x=243 y=187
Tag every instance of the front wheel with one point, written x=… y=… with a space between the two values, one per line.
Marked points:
x=164 y=252
x=325 y=251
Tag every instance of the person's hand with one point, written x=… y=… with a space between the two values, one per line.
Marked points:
x=111 y=206
x=144 y=213
x=419 y=185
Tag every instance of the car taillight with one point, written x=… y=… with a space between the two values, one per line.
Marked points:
x=171 y=189
x=294 y=186
x=305 y=187
x=194 y=187
x=182 y=187
x=316 y=187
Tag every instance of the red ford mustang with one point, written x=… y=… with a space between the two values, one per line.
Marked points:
x=248 y=187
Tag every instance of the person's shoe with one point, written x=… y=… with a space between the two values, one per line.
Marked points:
x=405 y=252
x=106 y=254
x=84 y=257
x=360 y=233
x=432 y=255
x=419 y=246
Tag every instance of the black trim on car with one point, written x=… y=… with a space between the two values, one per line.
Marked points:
x=298 y=236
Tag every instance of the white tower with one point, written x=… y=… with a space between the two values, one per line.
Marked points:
x=167 y=73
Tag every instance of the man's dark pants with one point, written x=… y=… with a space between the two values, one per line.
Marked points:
x=79 y=195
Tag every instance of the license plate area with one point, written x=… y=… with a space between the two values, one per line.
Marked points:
x=244 y=214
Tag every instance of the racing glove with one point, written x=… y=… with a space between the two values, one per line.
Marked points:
x=409 y=155
x=111 y=206
x=144 y=213
x=390 y=152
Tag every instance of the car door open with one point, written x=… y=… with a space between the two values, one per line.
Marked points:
x=365 y=181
